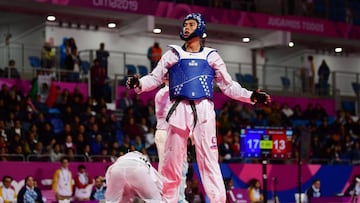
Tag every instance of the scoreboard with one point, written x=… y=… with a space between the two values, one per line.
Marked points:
x=266 y=143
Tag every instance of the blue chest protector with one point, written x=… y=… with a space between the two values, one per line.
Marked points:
x=191 y=78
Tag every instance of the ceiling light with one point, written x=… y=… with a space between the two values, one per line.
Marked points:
x=111 y=25
x=291 y=44
x=51 y=18
x=338 y=49
x=157 y=30
x=246 y=39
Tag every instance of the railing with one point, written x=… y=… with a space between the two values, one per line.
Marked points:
x=108 y=158
x=12 y=157
x=268 y=75
x=47 y=158
x=117 y=60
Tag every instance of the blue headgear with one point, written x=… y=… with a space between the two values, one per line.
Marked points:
x=201 y=26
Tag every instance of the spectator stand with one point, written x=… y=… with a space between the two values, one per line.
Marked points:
x=143 y=70
x=131 y=69
x=85 y=69
x=247 y=80
x=285 y=81
x=35 y=62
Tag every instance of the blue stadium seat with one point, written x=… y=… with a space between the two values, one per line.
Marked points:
x=250 y=81
x=356 y=87
x=239 y=78
x=131 y=69
x=143 y=70
x=285 y=81
x=85 y=67
x=73 y=77
x=54 y=111
x=331 y=119
x=35 y=61
x=299 y=122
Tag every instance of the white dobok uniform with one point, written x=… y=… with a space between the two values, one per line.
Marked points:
x=132 y=175
x=181 y=124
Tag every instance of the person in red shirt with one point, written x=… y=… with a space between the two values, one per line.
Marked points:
x=154 y=54
x=82 y=182
x=98 y=80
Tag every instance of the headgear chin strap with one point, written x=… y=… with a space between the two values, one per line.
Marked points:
x=200 y=30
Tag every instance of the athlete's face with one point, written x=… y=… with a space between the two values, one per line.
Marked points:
x=189 y=27
x=317 y=184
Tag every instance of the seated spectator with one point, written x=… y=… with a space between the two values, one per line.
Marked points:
x=229 y=184
x=55 y=151
x=30 y=143
x=132 y=129
x=29 y=193
x=14 y=142
x=43 y=92
x=193 y=192
x=354 y=188
x=275 y=117
x=235 y=145
x=7 y=191
x=308 y=112
x=255 y=193
x=18 y=153
x=125 y=146
x=355 y=152
x=46 y=133
x=3 y=154
x=319 y=112
x=260 y=120
x=298 y=113
x=103 y=156
x=97 y=144
x=70 y=154
x=99 y=190
x=150 y=140
x=317 y=148
x=248 y=114
x=82 y=181
x=69 y=144
x=138 y=143
x=125 y=101
x=39 y=152
x=225 y=150
x=11 y=71
x=287 y=111
x=87 y=153
x=336 y=154
x=3 y=142
x=313 y=191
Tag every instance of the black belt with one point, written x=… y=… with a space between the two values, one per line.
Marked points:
x=173 y=107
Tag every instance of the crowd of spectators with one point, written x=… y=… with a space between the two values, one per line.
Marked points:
x=84 y=129
x=323 y=138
